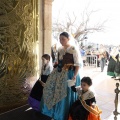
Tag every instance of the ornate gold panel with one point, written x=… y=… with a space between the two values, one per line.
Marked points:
x=18 y=56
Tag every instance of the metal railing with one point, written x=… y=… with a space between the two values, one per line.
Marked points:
x=117 y=91
x=91 y=60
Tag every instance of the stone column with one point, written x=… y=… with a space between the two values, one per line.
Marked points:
x=47 y=26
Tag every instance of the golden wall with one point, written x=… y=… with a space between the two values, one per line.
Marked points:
x=19 y=49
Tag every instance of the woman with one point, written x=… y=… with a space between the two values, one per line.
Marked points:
x=88 y=58
x=57 y=96
x=103 y=57
x=112 y=62
x=117 y=67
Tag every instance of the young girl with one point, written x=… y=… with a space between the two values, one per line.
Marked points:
x=37 y=90
x=80 y=109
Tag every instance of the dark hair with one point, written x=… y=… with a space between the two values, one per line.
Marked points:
x=87 y=80
x=65 y=34
x=46 y=56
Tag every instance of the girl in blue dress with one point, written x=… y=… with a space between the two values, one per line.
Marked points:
x=57 y=96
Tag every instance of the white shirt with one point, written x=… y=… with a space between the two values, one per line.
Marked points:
x=48 y=69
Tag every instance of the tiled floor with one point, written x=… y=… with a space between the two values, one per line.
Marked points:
x=104 y=87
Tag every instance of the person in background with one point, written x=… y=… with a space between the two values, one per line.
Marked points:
x=98 y=60
x=88 y=58
x=102 y=57
x=117 y=67
x=82 y=52
x=37 y=90
x=107 y=57
x=54 y=52
x=53 y=55
x=112 y=62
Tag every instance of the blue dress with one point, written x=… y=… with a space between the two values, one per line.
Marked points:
x=60 y=109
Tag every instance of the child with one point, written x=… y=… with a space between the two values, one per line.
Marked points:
x=81 y=108
x=37 y=90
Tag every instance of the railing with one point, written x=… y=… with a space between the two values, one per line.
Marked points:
x=91 y=60
x=116 y=113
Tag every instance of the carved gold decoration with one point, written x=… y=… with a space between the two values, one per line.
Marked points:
x=18 y=57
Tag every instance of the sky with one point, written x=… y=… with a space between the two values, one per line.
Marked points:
x=107 y=10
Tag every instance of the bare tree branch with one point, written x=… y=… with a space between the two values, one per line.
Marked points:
x=79 y=27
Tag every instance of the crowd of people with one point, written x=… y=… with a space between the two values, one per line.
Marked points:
x=102 y=57
x=111 y=58
x=60 y=92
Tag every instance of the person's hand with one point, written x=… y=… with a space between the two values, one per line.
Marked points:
x=42 y=83
x=74 y=78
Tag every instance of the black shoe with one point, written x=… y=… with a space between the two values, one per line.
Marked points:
x=117 y=79
x=113 y=77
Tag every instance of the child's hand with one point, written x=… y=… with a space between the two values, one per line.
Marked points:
x=42 y=83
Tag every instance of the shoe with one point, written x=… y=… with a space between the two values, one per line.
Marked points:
x=113 y=77
x=117 y=79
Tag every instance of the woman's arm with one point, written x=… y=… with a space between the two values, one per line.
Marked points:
x=76 y=72
x=77 y=62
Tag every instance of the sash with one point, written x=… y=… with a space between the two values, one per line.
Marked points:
x=86 y=96
x=96 y=112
